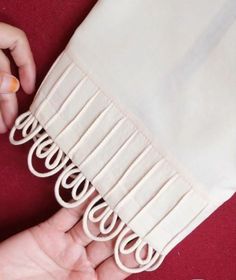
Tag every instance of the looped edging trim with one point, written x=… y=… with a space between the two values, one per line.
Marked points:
x=98 y=211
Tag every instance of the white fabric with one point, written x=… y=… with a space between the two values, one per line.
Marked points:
x=140 y=106
x=172 y=63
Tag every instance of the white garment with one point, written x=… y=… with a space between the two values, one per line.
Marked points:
x=142 y=102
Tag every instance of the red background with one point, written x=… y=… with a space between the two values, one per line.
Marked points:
x=208 y=253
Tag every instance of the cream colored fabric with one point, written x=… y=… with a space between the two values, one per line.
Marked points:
x=140 y=106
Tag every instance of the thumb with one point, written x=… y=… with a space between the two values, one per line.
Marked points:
x=8 y=83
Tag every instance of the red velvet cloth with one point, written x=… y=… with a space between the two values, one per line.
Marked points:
x=208 y=253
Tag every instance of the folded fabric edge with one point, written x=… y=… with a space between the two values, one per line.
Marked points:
x=98 y=211
x=112 y=223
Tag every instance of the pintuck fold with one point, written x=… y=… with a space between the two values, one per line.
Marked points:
x=102 y=150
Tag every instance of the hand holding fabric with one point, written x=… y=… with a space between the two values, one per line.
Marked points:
x=16 y=41
x=58 y=249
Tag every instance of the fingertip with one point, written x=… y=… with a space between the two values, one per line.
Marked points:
x=9 y=109
x=3 y=127
x=27 y=79
x=10 y=122
x=28 y=89
x=9 y=84
x=9 y=119
x=3 y=131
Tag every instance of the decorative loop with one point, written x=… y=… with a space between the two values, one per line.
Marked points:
x=23 y=119
x=79 y=182
x=138 y=253
x=106 y=227
x=36 y=137
x=72 y=179
x=126 y=241
x=39 y=149
x=82 y=195
x=92 y=213
x=149 y=262
x=71 y=171
x=45 y=148
x=29 y=127
x=51 y=162
x=109 y=223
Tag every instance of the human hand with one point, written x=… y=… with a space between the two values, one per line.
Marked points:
x=59 y=249
x=16 y=41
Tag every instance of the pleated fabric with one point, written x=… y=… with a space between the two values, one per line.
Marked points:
x=96 y=141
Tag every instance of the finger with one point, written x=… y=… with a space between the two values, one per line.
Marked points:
x=97 y=252
x=109 y=267
x=79 y=236
x=8 y=102
x=9 y=108
x=97 y=222
x=8 y=83
x=3 y=127
x=4 y=62
x=15 y=39
x=131 y=257
x=65 y=219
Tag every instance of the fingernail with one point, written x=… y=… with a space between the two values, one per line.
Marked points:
x=8 y=83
